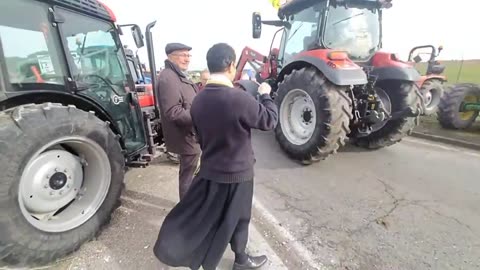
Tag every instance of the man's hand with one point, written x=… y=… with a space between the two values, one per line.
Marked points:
x=264 y=88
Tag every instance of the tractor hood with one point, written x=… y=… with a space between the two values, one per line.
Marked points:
x=295 y=6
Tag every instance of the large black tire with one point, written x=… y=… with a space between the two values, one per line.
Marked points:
x=403 y=95
x=449 y=115
x=333 y=110
x=432 y=91
x=24 y=130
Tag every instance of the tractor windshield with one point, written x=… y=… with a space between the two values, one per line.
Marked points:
x=355 y=30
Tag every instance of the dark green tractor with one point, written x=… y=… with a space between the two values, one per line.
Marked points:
x=70 y=125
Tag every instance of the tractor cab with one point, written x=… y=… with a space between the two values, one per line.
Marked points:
x=352 y=26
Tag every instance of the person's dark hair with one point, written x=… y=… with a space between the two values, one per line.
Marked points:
x=219 y=57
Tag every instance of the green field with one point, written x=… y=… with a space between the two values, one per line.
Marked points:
x=469 y=73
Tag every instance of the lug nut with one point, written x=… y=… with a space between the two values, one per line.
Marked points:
x=45 y=186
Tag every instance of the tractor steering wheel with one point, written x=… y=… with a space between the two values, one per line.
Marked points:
x=104 y=81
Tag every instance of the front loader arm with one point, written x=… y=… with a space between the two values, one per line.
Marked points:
x=265 y=66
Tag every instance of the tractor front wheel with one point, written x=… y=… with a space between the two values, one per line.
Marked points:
x=450 y=114
x=62 y=175
x=402 y=96
x=314 y=115
x=432 y=91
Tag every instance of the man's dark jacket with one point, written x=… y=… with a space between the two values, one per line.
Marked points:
x=175 y=94
x=223 y=117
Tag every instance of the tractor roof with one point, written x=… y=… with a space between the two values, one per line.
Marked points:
x=295 y=6
x=93 y=8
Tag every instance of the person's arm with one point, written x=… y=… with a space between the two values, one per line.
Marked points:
x=171 y=102
x=262 y=114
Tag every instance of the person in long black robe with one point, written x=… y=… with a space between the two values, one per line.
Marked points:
x=216 y=210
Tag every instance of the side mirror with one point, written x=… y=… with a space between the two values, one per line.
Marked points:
x=440 y=48
x=256 y=25
x=137 y=36
x=417 y=59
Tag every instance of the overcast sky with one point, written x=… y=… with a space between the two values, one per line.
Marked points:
x=201 y=24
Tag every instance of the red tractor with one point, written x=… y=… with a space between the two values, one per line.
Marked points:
x=432 y=83
x=331 y=81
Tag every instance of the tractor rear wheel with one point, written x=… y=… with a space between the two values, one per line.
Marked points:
x=62 y=175
x=314 y=115
x=432 y=91
x=449 y=114
x=402 y=96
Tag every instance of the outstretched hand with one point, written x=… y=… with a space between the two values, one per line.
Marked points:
x=264 y=88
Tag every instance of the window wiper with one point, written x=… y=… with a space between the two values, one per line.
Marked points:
x=348 y=18
x=294 y=32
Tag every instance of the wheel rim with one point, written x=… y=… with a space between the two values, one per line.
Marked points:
x=432 y=98
x=64 y=184
x=386 y=103
x=428 y=98
x=467 y=115
x=297 y=116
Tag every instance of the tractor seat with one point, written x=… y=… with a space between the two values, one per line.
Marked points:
x=437 y=69
x=308 y=42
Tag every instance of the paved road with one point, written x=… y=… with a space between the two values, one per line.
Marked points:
x=415 y=205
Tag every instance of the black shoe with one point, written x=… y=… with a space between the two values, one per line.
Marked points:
x=251 y=263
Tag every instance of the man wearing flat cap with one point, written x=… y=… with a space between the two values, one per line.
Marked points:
x=176 y=93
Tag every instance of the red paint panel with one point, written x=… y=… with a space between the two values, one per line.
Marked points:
x=385 y=59
x=323 y=54
x=110 y=12
x=146 y=99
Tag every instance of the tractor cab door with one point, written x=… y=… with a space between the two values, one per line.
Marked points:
x=99 y=69
x=303 y=33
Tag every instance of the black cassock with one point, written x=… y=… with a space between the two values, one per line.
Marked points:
x=199 y=228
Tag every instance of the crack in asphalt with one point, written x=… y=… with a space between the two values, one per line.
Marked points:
x=444 y=216
x=381 y=220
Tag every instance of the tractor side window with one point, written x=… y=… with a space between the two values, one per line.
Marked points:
x=30 y=46
x=96 y=57
x=133 y=70
x=303 y=34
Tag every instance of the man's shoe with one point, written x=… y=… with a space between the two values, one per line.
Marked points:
x=251 y=263
x=173 y=158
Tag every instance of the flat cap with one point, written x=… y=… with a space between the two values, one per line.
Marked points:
x=171 y=47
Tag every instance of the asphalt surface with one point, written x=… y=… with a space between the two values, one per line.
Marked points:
x=415 y=205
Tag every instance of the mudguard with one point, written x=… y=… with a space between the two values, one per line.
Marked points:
x=387 y=66
x=348 y=73
x=425 y=78
x=396 y=73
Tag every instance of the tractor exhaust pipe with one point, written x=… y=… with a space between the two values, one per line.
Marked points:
x=151 y=62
